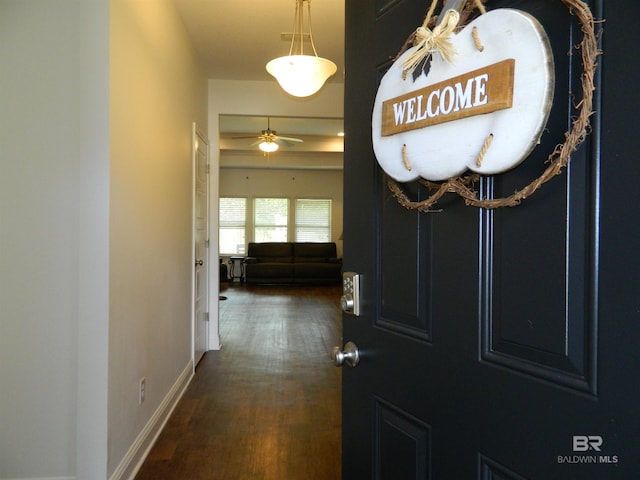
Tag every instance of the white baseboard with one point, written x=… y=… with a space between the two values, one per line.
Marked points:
x=140 y=448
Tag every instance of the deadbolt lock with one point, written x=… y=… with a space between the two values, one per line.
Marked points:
x=350 y=300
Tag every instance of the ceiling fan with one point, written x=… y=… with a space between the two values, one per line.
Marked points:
x=269 y=140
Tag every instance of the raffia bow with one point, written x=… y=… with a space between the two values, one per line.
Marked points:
x=427 y=41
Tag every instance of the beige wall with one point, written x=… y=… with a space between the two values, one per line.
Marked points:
x=157 y=92
x=254 y=182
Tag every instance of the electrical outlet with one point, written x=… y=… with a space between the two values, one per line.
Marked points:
x=142 y=390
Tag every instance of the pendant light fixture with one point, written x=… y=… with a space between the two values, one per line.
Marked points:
x=298 y=74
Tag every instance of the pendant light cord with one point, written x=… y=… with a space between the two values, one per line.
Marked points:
x=298 y=28
x=310 y=32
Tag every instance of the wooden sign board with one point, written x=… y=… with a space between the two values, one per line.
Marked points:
x=436 y=126
x=481 y=91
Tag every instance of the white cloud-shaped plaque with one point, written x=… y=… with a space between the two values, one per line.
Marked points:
x=436 y=126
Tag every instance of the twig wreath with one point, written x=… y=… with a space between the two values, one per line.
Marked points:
x=560 y=156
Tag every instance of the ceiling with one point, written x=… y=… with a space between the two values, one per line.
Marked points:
x=287 y=126
x=321 y=147
x=235 y=40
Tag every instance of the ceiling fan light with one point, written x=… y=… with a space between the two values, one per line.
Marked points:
x=301 y=75
x=268 y=147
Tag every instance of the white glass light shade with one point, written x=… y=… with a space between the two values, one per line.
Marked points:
x=301 y=75
x=268 y=147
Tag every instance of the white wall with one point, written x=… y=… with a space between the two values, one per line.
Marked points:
x=47 y=60
x=95 y=229
x=93 y=240
x=157 y=92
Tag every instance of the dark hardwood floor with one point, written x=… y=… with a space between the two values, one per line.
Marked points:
x=267 y=405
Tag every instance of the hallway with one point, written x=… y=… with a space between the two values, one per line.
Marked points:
x=267 y=405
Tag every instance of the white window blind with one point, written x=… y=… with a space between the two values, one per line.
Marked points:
x=270 y=219
x=313 y=220
x=233 y=218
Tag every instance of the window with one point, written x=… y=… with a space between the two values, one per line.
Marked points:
x=270 y=219
x=233 y=214
x=313 y=220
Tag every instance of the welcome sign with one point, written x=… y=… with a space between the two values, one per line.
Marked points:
x=483 y=111
x=484 y=90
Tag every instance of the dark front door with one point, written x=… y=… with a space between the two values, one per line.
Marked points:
x=497 y=344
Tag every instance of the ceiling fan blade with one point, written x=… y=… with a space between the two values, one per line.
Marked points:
x=290 y=139
x=269 y=135
x=284 y=142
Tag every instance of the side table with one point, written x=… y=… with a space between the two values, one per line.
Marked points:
x=236 y=264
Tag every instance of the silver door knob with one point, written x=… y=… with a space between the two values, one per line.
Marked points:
x=199 y=263
x=349 y=356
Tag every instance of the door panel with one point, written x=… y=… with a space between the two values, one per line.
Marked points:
x=404 y=285
x=488 y=340
x=401 y=440
x=535 y=314
x=201 y=247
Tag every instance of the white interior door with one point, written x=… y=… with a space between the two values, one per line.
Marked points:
x=201 y=245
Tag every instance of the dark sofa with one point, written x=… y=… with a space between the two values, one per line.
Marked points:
x=292 y=262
